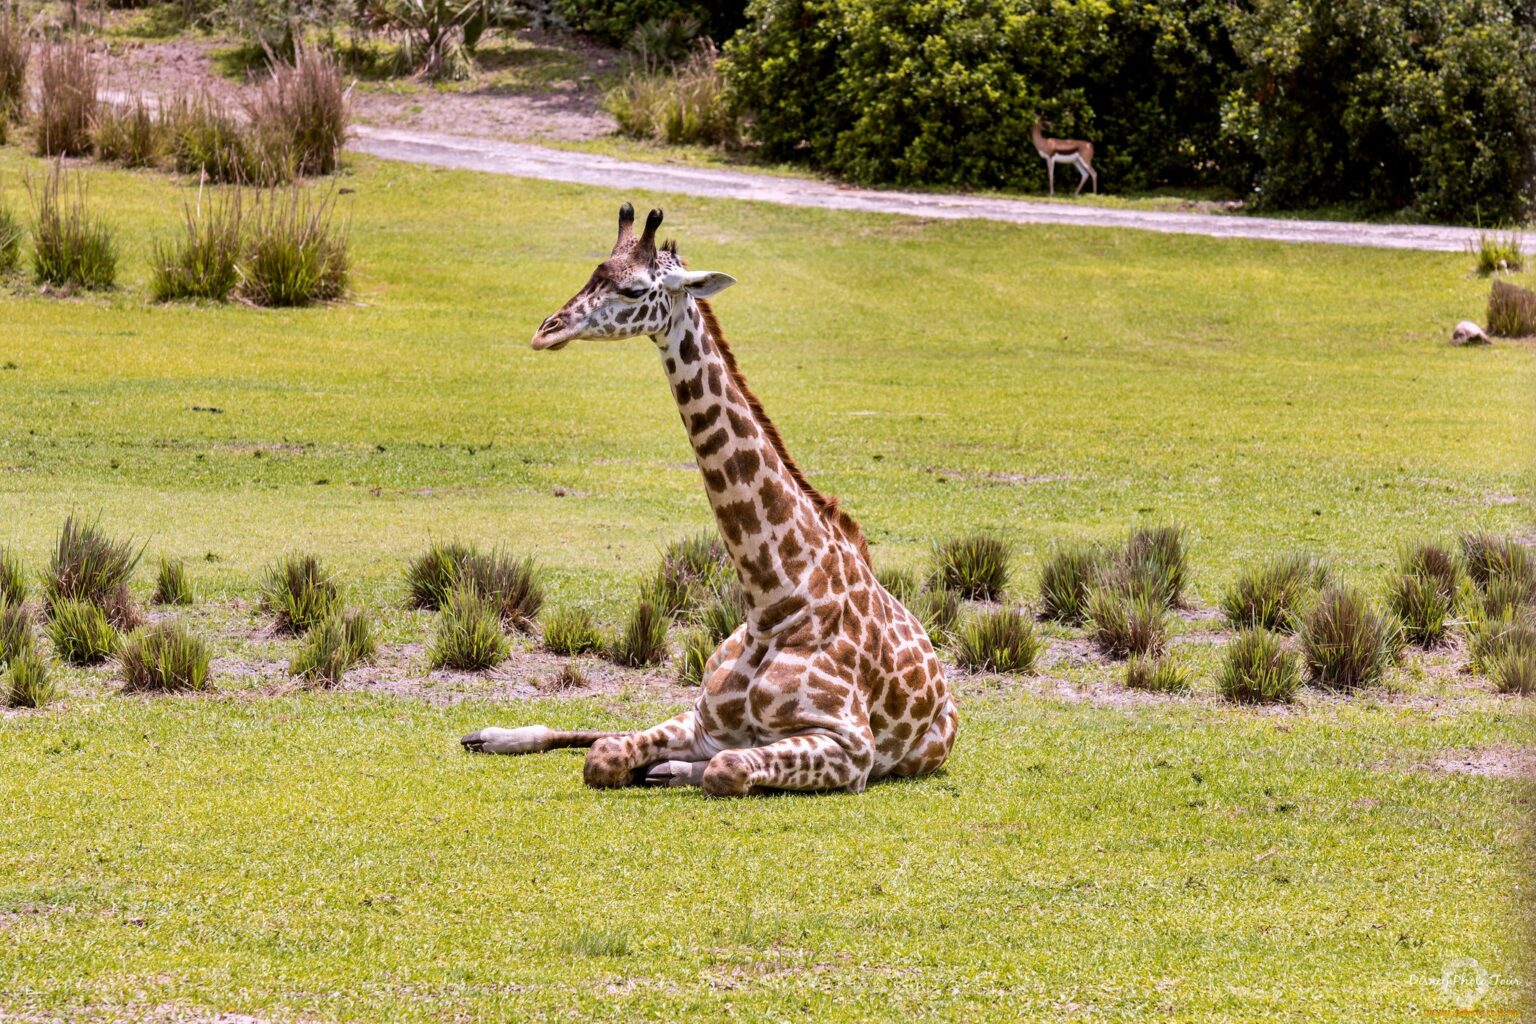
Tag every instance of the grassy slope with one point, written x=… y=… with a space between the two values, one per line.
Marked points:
x=331 y=856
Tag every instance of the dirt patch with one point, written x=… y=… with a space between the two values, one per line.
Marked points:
x=1497 y=762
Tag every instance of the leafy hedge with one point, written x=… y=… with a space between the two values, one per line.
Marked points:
x=615 y=21
x=1385 y=103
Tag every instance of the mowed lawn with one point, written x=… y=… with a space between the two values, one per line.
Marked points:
x=314 y=857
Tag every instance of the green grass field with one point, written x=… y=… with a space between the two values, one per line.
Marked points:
x=304 y=857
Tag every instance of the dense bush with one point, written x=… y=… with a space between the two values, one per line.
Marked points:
x=616 y=21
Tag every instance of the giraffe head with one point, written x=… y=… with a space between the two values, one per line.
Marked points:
x=636 y=291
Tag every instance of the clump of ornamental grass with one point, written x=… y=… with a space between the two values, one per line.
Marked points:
x=436 y=571
x=698 y=646
x=66 y=99
x=1514 y=672
x=202 y=260
x=172 y=585
x=1345 y=643
x=1274 y=595
x=26 y=682
x=724 y=615
x=974 y=567
x=15 y=54
x=295 y=253
x=16 y=633
x=1070 y=573
x=71 y=247
x=513 y=586
x=686 y=105
x=1492 y=638
x=1492 y=557
x=205 y=137
x=469 y=633
x=999 y=640
x=643 y=640
x=1259 y=669
x=1123 y=622
x=902 y=584
x=1511 y=311
x=1497 y=252
x=1155 y=559
x=333 y=646
x=87 y=565
x=1423 y=592
x=127 y=134
x=692 y=570
x=305 y=104
x=11 y=234
x=568 y=678
x=1165 y=674
x=13 y=578
x=938 y=611
x=81 y=632
x=299 y=593
x=570 y=631
x=164 y=658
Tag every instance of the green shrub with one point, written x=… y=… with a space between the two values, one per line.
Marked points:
x=1511 y=311
x=724 y=615
x=685 y=105
x=514 y=586
x=698 y=646
x=1259 y=669
x=11 y=233
x=1000 y=640
x=164 y=658
x=89 y=566
x=295 y=254
x=938 y=611
x=26 y=681
x=975 y=567
x=299 y=594
x=616 y=21
x=1165 y=674
x=643 y=640
x=67 y=84
x=202 y=261
x=1275 y=594
x=1122 y=623
x=436 y=571
x=333 y=646
x=71 y=247
x=15 y=53
x=469 y=635
x=1066 y=579
x=1344 y=642
x=16 y=635
x=171 y=583
x=1496 y=253
x=305 y=104
x=128 y=134
x=571 y=631
x=13 y=578
x=80 y=632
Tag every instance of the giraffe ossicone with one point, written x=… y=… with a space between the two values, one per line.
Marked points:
x=830 y=682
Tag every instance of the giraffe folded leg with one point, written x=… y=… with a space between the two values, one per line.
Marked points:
x=613 y=758
x=802 y=763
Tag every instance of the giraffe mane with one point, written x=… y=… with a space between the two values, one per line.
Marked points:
x=827 y=505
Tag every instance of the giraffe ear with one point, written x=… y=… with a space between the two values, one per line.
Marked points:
x=701 y=284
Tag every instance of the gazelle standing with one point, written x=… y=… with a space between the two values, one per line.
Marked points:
x=1065 y=151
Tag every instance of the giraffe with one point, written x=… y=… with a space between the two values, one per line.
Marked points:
x=830 y=682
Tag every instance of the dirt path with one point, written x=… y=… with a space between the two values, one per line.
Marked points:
x=530 y=161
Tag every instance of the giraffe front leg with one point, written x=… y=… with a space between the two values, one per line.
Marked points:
x=623 y=759
x=802 y=763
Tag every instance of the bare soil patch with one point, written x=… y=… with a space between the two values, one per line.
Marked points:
x=1496 y=762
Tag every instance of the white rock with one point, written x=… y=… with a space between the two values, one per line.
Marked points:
x=1468 y=333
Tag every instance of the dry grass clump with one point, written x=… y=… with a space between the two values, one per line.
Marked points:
x=72 y=248
x=89 y=566
x=1001 y=640
x=568 y=678
x=469 y=634
x=164 y=658
x=15 y=53
x=1511 y=311
x=295 y=254
x=975 y=567
x=81 y=632
x=66 y=99
x=1274 y=595
x=1070 y=573
x=698 y=646
x=643 y=640
x=1345 y=643
x=1165 y=674
x=13 y=578
x=128 y=134
x=1496 y=252
x=333 y=646
x=1125 y=622
x=570 y=631
x=684 y=106
x=299 y=594
x=26 y=681
x=171 y=583
x=1259 y=669
x=304 y=104
x=202 y=261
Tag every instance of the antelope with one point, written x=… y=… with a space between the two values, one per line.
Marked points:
x=1065 y=151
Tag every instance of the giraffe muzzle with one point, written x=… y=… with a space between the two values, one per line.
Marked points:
x=553 y=333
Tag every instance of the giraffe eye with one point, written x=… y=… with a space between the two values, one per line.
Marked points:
x=632 y=293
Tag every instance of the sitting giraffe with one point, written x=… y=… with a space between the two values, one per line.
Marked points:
x=830 y=682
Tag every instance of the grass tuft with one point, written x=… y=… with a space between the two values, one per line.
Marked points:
x=81 y=632
x=938 y=611
x=684 y=106
x=1491 y=639
x=342 y=640
x=305 y=104
x=976 y=567
x=1068 y=576
x=513 y=586
x=1345 y=643
x=207 y=138
x=902 y=584
x=66 y=99
x=698 y=645
x=568 y=678
x=600 y=942
x=16 y=633
x=1155 y=559
x=693 y=569
x=164 y=658
x=1493 y=558
x=89 y=566
x=570 y=631
x=11 y=234
x=1274 y=595
x=295 y=253
x=128 y=134
x=1165 y=674
x=469 y=633
x=436 y=571
x=71 y=247
x=15 y=55
x=26 y=681
x=299 y=594
x=1126 y=622
x=643 y=640
x=1496 y=252
x=724 y=615
x=1511 y=311
x=202 y=261
x=1000 y=640
x=171 y=583
x=1514 y=671
x=13 y=578
x=1259 y=669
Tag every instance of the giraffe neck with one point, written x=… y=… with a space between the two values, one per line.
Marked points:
x=773 y=530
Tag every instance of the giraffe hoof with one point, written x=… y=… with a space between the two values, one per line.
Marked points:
x=530 y=739
x=676 y=773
